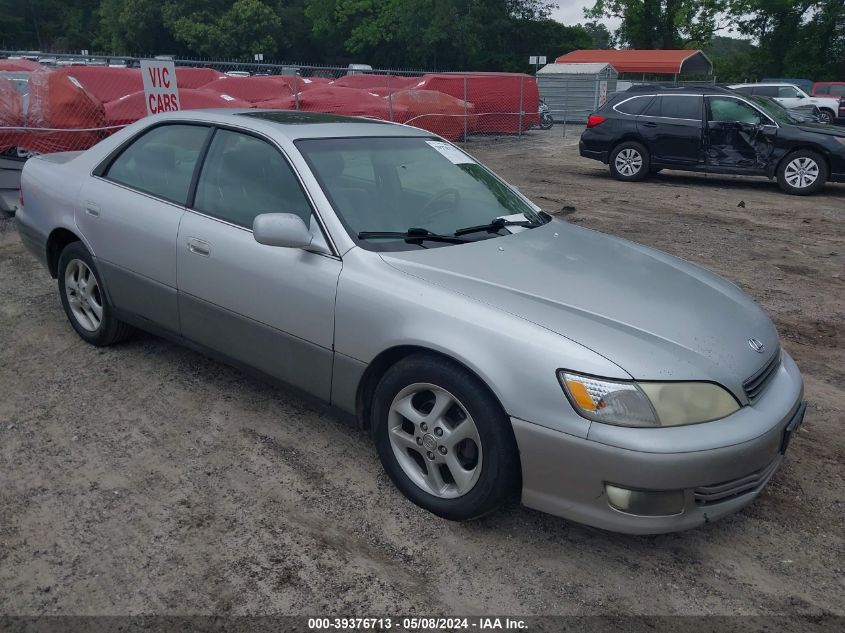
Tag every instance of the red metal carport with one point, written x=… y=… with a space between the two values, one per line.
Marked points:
x=652 y=62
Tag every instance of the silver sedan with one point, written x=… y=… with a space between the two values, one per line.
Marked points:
x=493 y=351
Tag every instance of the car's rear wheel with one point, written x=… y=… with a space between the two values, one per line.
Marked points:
x=629 y=161
x=802 y=173
x=826 y=116
x=84 y=299
x=443 y=438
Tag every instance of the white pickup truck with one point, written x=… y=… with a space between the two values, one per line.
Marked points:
x=791 y=96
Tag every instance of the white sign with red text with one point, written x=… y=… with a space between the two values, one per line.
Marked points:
x=160 y=91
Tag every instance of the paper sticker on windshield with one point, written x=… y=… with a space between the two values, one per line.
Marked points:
x=453 y=154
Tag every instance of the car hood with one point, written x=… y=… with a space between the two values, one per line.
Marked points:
x=822 y=128
x=655 y=316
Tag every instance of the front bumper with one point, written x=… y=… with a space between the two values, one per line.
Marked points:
x=566 y=475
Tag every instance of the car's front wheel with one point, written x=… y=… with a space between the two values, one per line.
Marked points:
x=826 y=116
x=443 y=438
x=629 y=161
x=84 y=300
x=802 y=173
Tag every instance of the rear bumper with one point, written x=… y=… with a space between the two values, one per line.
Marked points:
x=33 y=239
x=591 y=153
x=566 y=475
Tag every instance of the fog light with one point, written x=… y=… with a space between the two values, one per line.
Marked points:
x=645 y=502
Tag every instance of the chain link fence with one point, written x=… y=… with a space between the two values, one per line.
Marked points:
x=51 y=103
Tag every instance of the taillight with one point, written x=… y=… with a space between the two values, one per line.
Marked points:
x=594 y=119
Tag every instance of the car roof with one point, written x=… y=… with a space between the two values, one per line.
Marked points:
x=296 y=124
x=767 y=83
x=689 y=89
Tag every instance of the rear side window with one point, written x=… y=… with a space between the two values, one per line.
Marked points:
x=766 y=91
x=162 y=161
x=745 y=90
x=681 y=107
x=675 y=107
x=635 y=105
x=244 y=176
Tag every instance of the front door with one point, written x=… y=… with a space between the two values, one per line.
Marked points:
x=271 y=308
x=130 y=216
x=738 y=136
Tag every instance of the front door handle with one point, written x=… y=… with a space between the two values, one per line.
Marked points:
x=199 y=247
x=649 y=124
x=92 y=208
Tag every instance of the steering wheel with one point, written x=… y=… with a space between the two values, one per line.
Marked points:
x=429 y=210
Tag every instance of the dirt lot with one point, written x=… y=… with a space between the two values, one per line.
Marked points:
x=148 y=479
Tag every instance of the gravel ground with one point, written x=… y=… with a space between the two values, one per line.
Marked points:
x=147 y=479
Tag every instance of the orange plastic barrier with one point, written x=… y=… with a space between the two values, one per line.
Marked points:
x=434 y=111
x=252 y=89
x=338 y=100
x=11 y=115
x=497 y=98
x=195 y=77
x=59 y=102
x=107 y=84
x=132 y=107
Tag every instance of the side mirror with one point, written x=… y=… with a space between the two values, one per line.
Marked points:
x=799 y=96
x=281 y=229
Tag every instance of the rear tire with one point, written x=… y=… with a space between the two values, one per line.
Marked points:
x=802 y=173
x=84 y=299
x=443 y=438
x=629 y=161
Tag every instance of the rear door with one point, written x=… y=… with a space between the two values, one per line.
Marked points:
x=130 y=213
x=737 y=134
x=671 y=127
x=268 y=307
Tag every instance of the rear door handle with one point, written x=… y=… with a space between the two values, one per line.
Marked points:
x=199 y=247
x=92 y=208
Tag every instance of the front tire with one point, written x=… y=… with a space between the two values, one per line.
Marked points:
x=802 y=173
x=84 y=300
x=826 y=116
x=443 y=438
x=629 y=162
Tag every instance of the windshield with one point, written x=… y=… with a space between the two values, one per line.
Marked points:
x=774 y=109
x=399 y=183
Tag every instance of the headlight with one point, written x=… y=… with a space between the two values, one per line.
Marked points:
x=646 y=404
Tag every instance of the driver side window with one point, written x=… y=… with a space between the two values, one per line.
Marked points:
x=787 y=92
x=728 y=110
x=244 y=176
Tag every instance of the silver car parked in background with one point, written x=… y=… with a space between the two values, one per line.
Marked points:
x=492 y=350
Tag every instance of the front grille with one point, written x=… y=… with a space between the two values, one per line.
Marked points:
x=756 y=384
x=716 y=493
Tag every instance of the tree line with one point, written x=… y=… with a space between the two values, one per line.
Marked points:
x=746 y=39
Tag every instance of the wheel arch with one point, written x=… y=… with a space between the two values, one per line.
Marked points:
x=801 y=147
x=58 y=239
x=387 y=359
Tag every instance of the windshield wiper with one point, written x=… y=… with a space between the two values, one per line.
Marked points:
x=413 y=234
x=494 y=226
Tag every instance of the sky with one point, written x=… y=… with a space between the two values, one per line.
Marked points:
x=572 y=12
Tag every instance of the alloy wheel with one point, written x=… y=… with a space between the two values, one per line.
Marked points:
x=801 y=172
x=628 y=162
x=83 y=295
x=435 y=440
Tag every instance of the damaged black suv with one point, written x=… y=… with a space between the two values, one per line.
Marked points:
x=714 y=130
